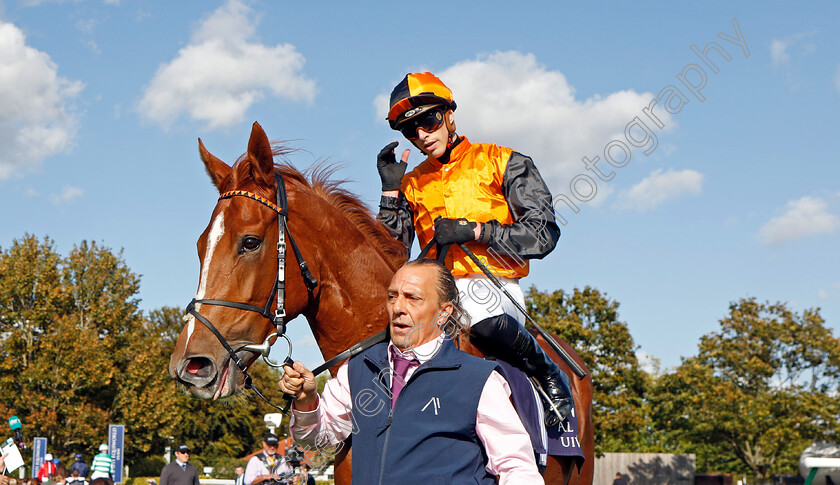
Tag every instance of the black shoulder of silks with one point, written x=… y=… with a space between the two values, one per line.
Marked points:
x=534 y=232
x=521 y=170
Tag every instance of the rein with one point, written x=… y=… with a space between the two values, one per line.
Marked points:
x=278 y=318
x=576 y=368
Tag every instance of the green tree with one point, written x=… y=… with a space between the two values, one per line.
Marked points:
x=76 y=354
x=759 y=391
x=147 y=398
x=64 y=323
x=589 y=322
x=31 y=294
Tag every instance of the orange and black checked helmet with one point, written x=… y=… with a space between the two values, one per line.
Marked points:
x=417 y=90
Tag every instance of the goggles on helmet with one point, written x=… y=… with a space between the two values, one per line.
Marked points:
x=428 y=121
x=417 y=90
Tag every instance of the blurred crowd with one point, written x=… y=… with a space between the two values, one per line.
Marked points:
x=53 y=472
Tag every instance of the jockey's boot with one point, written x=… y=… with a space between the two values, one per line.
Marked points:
x=504 y=337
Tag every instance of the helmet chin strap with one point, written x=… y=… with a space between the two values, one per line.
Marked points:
x=450 y=128
x=450 y=142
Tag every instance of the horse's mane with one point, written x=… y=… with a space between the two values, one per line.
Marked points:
x=317 y=180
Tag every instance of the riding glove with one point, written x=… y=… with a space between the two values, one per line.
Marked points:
x=454 y=231
x=390 y=170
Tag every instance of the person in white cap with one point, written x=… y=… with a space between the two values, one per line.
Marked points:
x=47 y=470
x=102 y=465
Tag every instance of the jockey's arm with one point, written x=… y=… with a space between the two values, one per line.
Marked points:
x=535 y=232
x=396 y=214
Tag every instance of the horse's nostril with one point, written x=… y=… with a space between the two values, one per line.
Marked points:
x=200 y=367
x=194 y=366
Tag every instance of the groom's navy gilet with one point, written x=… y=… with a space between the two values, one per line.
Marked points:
x=429 y=437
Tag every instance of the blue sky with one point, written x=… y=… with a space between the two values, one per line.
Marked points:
x=102 y=102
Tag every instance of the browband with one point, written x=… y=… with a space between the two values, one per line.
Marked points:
x=262 y=200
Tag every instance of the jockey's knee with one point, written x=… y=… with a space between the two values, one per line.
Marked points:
x=499 y=331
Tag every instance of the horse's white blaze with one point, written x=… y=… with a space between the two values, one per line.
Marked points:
x=217 y=230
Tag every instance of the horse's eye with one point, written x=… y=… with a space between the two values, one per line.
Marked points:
x=250 y=243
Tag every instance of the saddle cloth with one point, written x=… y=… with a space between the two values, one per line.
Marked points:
x=559 y=440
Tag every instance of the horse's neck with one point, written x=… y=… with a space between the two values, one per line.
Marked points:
x=353 y=278
x=348 y=312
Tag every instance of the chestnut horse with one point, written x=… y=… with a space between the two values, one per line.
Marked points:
x=348 y=251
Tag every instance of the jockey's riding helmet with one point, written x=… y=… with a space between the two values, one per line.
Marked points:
x=416 y=94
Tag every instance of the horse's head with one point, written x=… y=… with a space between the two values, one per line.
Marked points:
x=239 y=264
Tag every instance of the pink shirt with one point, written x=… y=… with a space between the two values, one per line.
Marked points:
x=507 y=444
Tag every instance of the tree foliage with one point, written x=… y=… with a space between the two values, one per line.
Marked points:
x=589 y=322
x=77 y=354
x=66 y=326
x=758 y=392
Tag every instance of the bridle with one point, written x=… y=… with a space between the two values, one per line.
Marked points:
x=278 y=317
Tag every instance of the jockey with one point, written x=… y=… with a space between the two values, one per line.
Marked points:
x=489 y=197
x=102 y=465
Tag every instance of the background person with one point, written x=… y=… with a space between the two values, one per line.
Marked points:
x=47 y=470
x=305 y=477
x=76 y=479
x=180 y=471
x=4 y=480
x=79 y=465
x=240 y=475
x=266 y=467
x=60 y=472
x=443 y=414
x=488 y=197
x=103 y=465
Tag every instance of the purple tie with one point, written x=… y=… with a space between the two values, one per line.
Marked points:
x=401 y=366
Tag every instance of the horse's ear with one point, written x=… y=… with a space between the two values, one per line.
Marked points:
x=216 y=169
x=259 y=151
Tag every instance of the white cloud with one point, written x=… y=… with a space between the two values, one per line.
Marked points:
x=35 y=118
x=510 y=99
x=787 y=56
x=780 y=49
x=778 y=52
x=222 y=72
x=87 y=26
x=803 y=217
x=605 y=193
x=68 y=194
x=660 y=187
